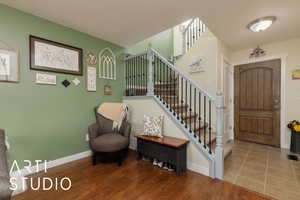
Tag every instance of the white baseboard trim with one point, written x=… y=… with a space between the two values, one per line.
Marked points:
x=198 y=168
x=50 y=164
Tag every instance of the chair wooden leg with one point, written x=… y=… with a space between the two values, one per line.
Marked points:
x=120 y=162
x=94 y=158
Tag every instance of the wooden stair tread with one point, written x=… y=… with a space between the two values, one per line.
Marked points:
x=198 y=126
x=164 y=84
x=187 y=115
x=168 y=96
x=165 y=89
x=213 y=136
x=179 y=106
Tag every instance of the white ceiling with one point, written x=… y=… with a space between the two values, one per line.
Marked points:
x=126 y=22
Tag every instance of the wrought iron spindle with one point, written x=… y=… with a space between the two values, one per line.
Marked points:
x=177 y=95
x=194 y=30
x=170 y=89
x=198 y=28
x=190 y=38
x=164 y=84
x=190 y=108
x=160 y=79
x=189 y=42
x=195 y=118
x=181 y=108
x=130 y=77
x=147 y=76
x=141 y=75
x=154 y=74
x=137 y=76
x=199 y=117
x=209 y=125
x=134 y=77
x=186 y=108
x=126 y=79
x=186 y=42
x=173 y=92
x=204 y=111
x=189 y=32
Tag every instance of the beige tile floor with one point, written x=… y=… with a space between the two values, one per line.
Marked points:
x=263 y=169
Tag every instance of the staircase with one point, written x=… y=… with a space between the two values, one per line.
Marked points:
x=150 y=74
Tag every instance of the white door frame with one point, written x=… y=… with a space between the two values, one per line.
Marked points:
x=229 y=112
x=283 y=58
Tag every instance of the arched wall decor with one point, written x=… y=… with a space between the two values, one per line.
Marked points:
x=107 y=64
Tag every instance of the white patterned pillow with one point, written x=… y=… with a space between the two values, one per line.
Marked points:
x=153 y=126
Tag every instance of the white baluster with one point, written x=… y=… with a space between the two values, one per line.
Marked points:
x=150 y=85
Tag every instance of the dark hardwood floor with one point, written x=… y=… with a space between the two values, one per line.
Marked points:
x=134 y=180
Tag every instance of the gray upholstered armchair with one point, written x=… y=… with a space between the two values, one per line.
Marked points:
x=106 y=144
x=5 y=192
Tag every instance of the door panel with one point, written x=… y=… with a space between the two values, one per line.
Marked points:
x=257 y=102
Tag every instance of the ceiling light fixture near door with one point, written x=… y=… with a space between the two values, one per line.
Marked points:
x=261 y=24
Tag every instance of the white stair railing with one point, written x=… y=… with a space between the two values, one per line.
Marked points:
x=191 y=33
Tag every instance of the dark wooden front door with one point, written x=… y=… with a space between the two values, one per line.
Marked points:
x=257 y=102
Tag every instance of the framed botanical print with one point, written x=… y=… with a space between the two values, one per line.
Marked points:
x=107 y=90
x=91 y=79
x=52 y=56
x=9 y=65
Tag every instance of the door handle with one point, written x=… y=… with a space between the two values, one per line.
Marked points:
x=276 y=101
x=276 y=105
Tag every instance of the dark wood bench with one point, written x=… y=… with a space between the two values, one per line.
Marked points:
x=167 y=149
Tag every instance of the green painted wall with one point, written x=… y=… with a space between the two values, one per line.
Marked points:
x=49 y=122
x=162 y=42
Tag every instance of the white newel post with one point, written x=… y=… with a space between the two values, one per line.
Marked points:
x=219 y=152
x=150 y=85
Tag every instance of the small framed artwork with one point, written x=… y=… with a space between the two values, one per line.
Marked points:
x=91 y=59
x=45 y=79
x=296 y=74
x=107 y=90
x=52 y=56
x=91 y=79
x=9 y=65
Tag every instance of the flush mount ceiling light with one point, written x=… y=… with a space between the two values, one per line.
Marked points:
x=261 y=24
